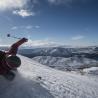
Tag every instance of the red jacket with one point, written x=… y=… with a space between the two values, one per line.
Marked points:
x=12 y=51
x=3 y=68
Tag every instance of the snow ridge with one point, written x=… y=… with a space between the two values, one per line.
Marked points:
x=71 y=63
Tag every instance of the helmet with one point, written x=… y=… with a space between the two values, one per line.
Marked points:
x=13 y=61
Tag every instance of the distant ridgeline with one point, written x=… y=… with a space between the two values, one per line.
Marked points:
x=4 y=48
x=60 y=52
x=88 y=52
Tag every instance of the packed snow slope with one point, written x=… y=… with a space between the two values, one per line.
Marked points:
x=54 y=83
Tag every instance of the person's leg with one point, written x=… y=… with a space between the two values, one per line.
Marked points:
x=13 y=50
x=9 y=75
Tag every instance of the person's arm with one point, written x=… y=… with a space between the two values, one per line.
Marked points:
x=14 y=47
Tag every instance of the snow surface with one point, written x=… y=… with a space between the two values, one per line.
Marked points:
x=54 y=83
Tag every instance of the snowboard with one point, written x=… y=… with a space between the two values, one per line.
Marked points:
x=9 y=76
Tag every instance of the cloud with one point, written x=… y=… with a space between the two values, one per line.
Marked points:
x=12 y=4
x=34 y=27
x=29 y=27
x=14 y=28
x=22 y=8
x=24 y=13
x=44 y=43
x=25 y=27
x=35 y=1
x=79 y=37
x=37 y=27
x=57 y=2
x=66 y=2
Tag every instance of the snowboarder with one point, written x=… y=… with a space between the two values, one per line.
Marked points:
x=9 y=61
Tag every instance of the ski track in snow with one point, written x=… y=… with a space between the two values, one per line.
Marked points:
x=54 y=83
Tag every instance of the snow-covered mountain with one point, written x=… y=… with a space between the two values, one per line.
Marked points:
x=59 y=51
x=71 y=63
x=53 y=83
x=92 y=70
x=49 y=51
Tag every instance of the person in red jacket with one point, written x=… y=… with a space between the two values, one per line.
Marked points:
x=9 y=60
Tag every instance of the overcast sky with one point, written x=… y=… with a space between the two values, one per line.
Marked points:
x=69 y=22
